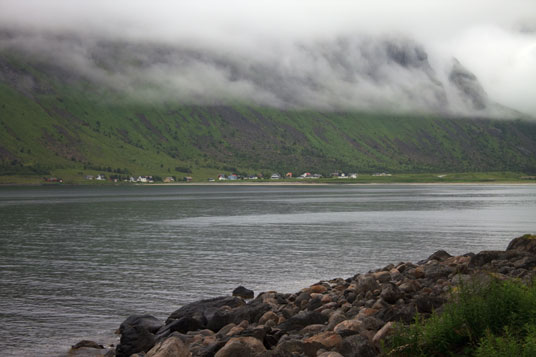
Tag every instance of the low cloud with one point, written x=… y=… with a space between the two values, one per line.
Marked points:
x=442 y=56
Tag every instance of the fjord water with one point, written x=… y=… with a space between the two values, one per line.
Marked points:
x=76 y=261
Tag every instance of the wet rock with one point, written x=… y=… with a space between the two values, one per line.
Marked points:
x=243 y=292
x=170 y=347
x=181 y=325
x=216 y=318
x=134 y=339
x=148 y=322
x=250 y=312
x=87 y=344
x=197 y=309
x=357 y=346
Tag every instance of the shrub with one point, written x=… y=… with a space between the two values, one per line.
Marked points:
x=480 y=317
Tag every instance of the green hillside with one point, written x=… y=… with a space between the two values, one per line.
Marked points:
x=57 y=123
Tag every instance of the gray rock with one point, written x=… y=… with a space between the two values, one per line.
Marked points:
x=302 y=319
x=295 y=347
x=525 y=243
x=357 y=346
x=134 y=339
x=427 y=304
x=440 y=256
x=243 y=293
x=390 y=293
x=148 y=322
x=197 y=309
x=87 y=344
x=367 y=284
x=436 y=271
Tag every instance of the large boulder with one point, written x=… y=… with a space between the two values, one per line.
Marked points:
x=440 y=256
x=197 y=309
x=134 y=339
x=137 y=334
x=243 y=292
x=148 y=322
x=485 y=257
x=170 y=347
x=182 y=325
x=252 y=311
x=525 y=243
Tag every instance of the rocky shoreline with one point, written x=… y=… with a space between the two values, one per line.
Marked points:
x=339 y=317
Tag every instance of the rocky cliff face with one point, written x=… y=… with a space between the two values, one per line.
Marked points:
x=468 y=86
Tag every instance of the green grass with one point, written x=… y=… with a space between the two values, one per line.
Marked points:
x=67 y=127
x=486 y=317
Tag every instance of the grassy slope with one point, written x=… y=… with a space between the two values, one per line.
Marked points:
x=69 y=127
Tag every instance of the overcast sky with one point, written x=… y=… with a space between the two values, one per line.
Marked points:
x=495 y=40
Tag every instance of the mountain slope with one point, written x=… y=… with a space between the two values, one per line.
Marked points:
x=54 y=121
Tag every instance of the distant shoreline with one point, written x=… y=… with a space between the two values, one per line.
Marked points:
x=223 y=184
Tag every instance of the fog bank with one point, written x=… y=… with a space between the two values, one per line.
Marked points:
x=433 y=56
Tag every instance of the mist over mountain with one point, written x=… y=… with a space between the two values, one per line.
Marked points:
x=348 y=73
x=409 y=56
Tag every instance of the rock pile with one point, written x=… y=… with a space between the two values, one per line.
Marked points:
x=339 y=317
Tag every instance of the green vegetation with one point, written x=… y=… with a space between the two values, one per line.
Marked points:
x=62 y=125
x=492 y=318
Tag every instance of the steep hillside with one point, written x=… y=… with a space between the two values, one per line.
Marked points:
x=56 y=122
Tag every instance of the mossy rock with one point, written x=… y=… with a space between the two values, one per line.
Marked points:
x=525 y=243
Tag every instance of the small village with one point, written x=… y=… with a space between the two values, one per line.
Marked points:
x=221 y=177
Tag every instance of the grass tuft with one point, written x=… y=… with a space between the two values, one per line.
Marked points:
x=483 y=318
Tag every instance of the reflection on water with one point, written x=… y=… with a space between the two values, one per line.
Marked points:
x=76 y=261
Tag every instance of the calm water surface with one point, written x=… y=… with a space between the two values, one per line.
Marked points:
x=76 y=261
